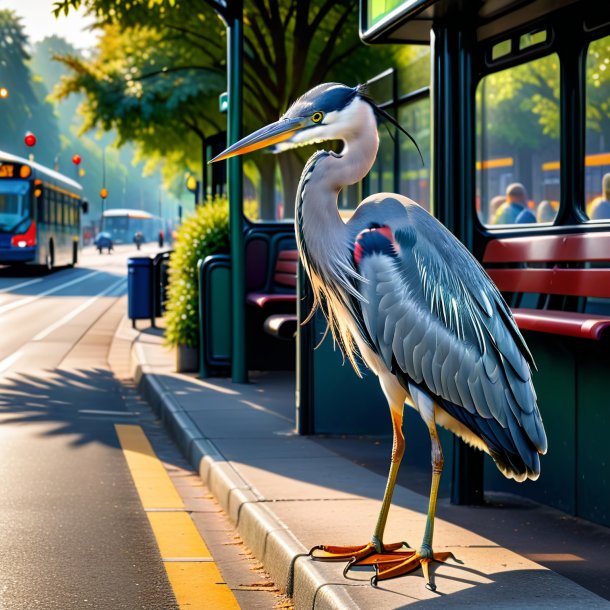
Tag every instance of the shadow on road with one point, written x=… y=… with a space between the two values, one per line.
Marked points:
x=76 y=403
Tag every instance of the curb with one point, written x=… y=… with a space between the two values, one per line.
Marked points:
x=283 y=556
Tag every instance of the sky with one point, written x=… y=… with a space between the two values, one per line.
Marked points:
x=39 y=22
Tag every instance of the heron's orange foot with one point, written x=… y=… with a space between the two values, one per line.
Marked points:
x=391 y=567
x=353 y=554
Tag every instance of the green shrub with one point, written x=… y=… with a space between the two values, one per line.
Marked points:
x=203 y=233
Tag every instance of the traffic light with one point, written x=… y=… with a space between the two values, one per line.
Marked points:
x=104 y=193
x=76 y=159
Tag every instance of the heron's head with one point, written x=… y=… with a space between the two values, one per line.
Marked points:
x=328 y=112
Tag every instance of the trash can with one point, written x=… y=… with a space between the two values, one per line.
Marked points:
x=139 y=289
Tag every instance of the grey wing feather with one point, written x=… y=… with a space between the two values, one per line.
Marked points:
x=434 y=314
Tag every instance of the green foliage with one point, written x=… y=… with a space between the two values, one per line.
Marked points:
x=25 y=109
x=161 y=66
x=202 y=234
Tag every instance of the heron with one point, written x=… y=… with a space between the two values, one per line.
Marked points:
x=402 y=295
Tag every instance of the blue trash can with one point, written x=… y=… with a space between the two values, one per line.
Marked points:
x=139 y=289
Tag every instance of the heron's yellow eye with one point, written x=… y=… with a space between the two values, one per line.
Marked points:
x=316 y=117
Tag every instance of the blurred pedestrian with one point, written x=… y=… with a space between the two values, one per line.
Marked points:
x=514 y=210
x=600 y=210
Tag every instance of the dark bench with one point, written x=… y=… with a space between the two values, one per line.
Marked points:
x=559 y=268
x=281 y=292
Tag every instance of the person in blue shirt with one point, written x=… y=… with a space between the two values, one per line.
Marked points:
x=514 y=210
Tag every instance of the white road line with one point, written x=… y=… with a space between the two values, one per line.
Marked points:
x=9 y=361
x=72 y=314
x=111 y=413
x=22 y=285
x=26 y=301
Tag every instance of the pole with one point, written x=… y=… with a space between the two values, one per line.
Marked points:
x=239 y=368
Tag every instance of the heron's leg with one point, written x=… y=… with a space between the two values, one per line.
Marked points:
x=391 y=567
x=376 y=550
x=398 y=451
x=437 y=469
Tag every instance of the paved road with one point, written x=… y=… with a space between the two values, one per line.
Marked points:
x=72 y=530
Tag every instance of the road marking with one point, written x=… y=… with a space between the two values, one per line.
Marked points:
x=154 y=486
x=109 y=413
x=72 y=314
x=22 y=285
x=191 y=570
x=9 y=361
x=28 y=300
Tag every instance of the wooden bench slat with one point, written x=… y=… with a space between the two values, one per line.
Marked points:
x=571 y=282
x=567 y=323
x=286 y=267
x=283 y=326
x=260 y=299
x=288 y=255
x=549 y=248
x=285 y=279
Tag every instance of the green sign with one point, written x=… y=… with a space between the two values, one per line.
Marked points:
x=378 y=9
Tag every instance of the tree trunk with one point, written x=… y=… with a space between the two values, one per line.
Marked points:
x=291 y=167
x=266 y=167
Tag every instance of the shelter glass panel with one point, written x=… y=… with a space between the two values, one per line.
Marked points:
x=382 y=173
x=415 y=177
x=517 y=157
x=597 y=158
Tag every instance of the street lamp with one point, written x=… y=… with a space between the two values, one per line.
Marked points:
x=3 y=93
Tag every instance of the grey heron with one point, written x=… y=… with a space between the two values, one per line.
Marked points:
x=400 y=291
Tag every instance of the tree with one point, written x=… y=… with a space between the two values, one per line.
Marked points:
x=289 y=46
x=25 y=108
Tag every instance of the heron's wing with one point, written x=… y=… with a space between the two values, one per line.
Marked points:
x=433 y=315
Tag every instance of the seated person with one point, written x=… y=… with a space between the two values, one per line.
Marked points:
x=515 y=204
x=494 y=204
x=546 y=212
x=600 y=209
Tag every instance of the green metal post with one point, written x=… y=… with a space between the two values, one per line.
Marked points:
x=453 y=192
x=239 y=368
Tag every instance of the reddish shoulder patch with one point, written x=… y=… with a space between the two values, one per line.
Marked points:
x=375 y=239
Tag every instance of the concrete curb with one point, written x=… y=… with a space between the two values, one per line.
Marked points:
x=308 y=583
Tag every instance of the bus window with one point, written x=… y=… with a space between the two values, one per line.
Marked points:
x=597 y=159
x=517 y=157
x=14 y=203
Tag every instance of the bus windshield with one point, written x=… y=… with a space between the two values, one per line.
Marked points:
x=15 y=205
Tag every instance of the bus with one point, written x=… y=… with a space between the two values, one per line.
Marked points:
x=40 y=213
x=124 y=223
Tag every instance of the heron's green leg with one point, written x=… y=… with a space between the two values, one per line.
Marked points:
x=437 y=469
x=398 y=450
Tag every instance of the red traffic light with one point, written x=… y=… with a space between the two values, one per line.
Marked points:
x=30 y=139
x=76 y=159
x=104 y=193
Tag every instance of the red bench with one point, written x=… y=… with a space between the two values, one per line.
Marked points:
x=283 y=290
x=563 y=267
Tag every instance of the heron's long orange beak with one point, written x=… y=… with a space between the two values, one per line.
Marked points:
x=280 y=131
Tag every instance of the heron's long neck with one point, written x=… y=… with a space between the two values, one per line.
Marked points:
x=319 y=225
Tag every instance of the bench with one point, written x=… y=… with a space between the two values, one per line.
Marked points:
x=560 y=269
x=281 y=292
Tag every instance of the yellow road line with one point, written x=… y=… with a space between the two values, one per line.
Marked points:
x=154 y=486
x=191 y=570
x=177 y=535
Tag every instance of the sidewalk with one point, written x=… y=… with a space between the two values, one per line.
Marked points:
x=287 y=493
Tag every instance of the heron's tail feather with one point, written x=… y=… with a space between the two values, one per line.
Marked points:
x=511 y=448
